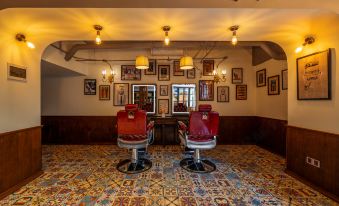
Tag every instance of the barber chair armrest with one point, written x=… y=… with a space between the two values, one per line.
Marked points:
x=182 y=127
x=150 y=126
x=150 y=132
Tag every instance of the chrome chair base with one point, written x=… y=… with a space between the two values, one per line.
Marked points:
x=128 y=167
x=204 y=166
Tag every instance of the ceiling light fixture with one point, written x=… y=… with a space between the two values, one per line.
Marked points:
x=166 y=29
x=186 y=62
x=141 y=62
x=308 y=40
x=98 y=28
x=22 y=38
x=234 y=29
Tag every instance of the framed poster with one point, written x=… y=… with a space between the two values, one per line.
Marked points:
x=206 y=90
x=163 y=90
x=120 y=94
x=163 y=106
x=237 y=75
x=90 y=87
x=208 y=67
x=261 y=78
x=284 y=79
x=314 y=76
x=164 y=73
x=191 y=73
x=152 y=70
x=176 y=69
x=104 y=92
x=241 y=92
x=223 y=94
x=15 y=72
x=273 y=85
x=129 y=72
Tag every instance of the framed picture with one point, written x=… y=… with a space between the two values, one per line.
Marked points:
x=191 y=73
x=152 y=70
x=129 y=72
x=284 y=79
x=314 y=76
x=208 y=67
x=163 y=90
x=241 y=92
x=120 y=94
x=206 y=90
x=163 y=106
x=15 y=72
x=104 y=92
x=237 y=76
x=261 y=78
x=273 y=87
x=176 y=69
x=90 y=86
x=223 y=94
x=164 y=72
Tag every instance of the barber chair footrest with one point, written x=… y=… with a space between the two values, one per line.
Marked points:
x=204 y=166
x=128 y=167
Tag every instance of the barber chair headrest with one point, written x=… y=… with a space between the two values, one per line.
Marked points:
x=205 y=108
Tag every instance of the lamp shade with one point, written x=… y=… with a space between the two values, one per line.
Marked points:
x=186 y=62
x=141 y=62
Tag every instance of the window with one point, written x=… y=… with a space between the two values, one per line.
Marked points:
x=183 y=98
x=144 y=96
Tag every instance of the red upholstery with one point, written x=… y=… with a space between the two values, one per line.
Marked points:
x=203 y=124
x=131 y=107
x=205 y=108
x=200 y=138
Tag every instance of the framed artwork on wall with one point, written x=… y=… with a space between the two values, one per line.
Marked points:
x=120 y=94
x=206 y=90
x=261 y=78
x=129 y=72
x=164 y=72
x=237 y=75
x=284 y=79
x=163 y=106
x=176 y=69
x=15 y=72
x=208 y=67
x=191 y=73
x=104 y=92
x=273 y=85
x=223 y=94
x=314 y=76
x=241 y=92
x=90 y=87
x=152 y=70
x=163 y=90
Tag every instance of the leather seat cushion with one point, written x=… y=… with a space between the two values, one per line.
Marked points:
x=200 y=138
x=133 y=138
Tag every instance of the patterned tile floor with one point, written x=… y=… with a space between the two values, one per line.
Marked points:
x=86 y=175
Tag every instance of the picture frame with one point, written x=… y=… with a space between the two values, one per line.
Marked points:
x=241 y=92
x=284 y=79
x=90 y=86
x=163 y=90
x=163 y=106
x=176 y=69
x=120 y=94
x=206 y=90
x=273 y=85
x=191 y=73
x=16 y=72
x=223 y=94
x=261 y=78
x=237 y=75
x=130 y=73
x=164 y=73
x=314 y=76
x=208 y=67
x=152 y=70
x=104 y=92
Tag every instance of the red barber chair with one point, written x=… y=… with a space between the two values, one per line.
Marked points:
x=135 y=135
x=200 y=135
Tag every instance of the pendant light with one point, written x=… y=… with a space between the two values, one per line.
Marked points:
x=234 y=30
x=166 y=29
x=141 y=62
x=22 y=38
x=98 y=28
x=186 y=62
x=308 y=40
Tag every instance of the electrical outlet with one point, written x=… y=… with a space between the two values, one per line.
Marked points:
x=309 y=160
x=316 y=163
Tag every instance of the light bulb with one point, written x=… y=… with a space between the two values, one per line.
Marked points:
x=299 y=49
x=234 y=40
x=112 y=72
x=223 y=72
x=103 y=72
x=167 y=40
x=98 y=39
x=30 y=45
x=214 y=72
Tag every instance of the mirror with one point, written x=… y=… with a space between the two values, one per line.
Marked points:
x=183 y=98
x=144 y=96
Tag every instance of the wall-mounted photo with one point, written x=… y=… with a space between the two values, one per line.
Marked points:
x=90 y=86
x=223 y=94
x=261 y=78
x=164 y=73
x=241 y=92
x=163 y=106
x=208 y=67
x=104 y=92
x=120 y=94
x=273 y=87
x=284 y=79
x=176 y=69
x=129 y=72
x=191 y=73
x=152 y=70
x=237 y=75
x=206 y=90
x=163 y=90
x=314 y=76
x=15 y=72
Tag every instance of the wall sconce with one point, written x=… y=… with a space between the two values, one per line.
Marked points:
x=308 y=40
x=219 y=78
x=234 y=30
x=22 y=38
x=166 y=29
x=110 y=77
x=98 y=28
